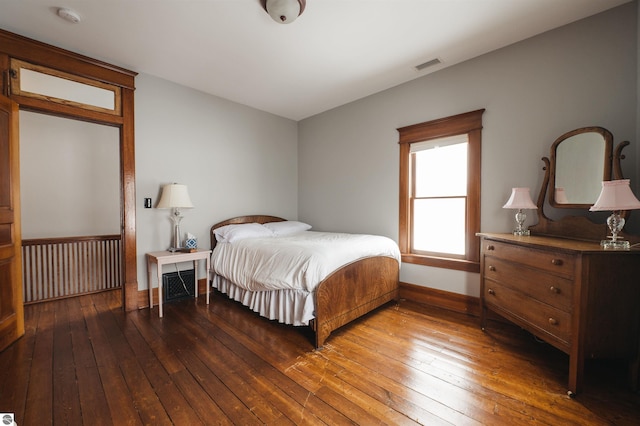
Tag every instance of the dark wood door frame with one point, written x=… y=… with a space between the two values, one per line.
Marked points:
x=37 y=53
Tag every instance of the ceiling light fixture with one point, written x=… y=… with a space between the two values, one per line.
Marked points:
x=69 y=15
x=284 y=11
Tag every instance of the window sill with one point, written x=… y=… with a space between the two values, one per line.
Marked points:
x=442 y=262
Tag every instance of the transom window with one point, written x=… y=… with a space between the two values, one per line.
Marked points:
x=48 y=84
x=440 y=192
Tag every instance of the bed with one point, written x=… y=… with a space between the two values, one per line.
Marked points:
x=346 y=293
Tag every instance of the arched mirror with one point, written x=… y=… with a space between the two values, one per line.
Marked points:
x=580 y=161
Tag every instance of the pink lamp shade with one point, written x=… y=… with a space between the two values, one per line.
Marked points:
x=561 y=196
x=616 y=195
x=520 y=199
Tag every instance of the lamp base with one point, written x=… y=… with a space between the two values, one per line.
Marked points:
x=521 y=230
x=176 y=217
x=615 y=244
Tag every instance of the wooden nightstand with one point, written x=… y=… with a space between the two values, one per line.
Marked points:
x=166 y=257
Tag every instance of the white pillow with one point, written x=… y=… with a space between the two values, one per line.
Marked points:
x=287 y=227
x=231 y=233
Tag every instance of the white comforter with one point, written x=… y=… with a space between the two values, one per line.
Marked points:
x=295 y=262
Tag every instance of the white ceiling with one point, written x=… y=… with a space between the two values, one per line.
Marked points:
x=336 y=52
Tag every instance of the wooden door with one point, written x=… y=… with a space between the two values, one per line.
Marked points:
x=11 y=306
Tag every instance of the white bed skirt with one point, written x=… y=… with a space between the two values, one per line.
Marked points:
x=293 y=307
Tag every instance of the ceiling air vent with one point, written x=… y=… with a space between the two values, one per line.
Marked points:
x=427 y=64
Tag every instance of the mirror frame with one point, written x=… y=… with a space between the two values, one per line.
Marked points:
x=607 y=157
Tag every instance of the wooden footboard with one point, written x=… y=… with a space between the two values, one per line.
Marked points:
x=353 y=291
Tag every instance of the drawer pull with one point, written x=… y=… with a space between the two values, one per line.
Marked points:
x=553 y=321
x=557 y=262
x=492 y=268
x=554 y=289
x=490 y=247
x=491 y=291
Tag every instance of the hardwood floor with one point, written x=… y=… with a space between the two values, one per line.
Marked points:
x=85 y=361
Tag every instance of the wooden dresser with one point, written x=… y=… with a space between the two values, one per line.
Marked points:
x=574 y=295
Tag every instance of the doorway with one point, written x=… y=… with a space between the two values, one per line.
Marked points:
x=20 y=58
x=70 y=196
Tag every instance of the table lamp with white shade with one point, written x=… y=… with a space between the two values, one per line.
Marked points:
x=520 y=199
x=616 y=196
x=175 y=196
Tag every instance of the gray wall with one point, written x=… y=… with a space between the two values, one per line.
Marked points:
x=583 y=74
x=235 y=161
x=69 y=177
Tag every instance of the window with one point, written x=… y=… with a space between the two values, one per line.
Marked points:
x=440 y=192
x=438 y=189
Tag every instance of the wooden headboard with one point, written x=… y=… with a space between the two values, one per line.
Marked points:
x=242 y=219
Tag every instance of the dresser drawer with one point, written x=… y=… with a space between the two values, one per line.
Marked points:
x=532 y=312
x=551 y=261
x=535 y=283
